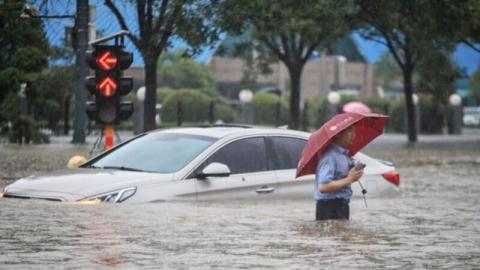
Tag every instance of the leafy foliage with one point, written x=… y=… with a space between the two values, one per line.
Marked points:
x=432 y=115
x=437 y=75
x=347 y=47
x=411 y=30
x=158 y=22
x=269 y=109
x=378 y=105
x=178 y=71
x=475 y=85
x=194 y=107
x=291 y=30
x=53 y=89
x=23 y=55
x=386 y=71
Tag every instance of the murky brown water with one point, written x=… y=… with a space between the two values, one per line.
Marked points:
x=434 y=224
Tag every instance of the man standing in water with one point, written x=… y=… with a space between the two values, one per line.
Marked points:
x=333 y=177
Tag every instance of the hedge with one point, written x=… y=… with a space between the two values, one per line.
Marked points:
x=195 y=107
x=432 y=116
x=265 y=106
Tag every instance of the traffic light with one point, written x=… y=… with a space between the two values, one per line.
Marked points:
x=108 y=85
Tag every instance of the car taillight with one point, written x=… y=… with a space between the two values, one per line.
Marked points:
x=392 y=177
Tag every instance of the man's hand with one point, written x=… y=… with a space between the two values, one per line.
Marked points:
x=354 y=175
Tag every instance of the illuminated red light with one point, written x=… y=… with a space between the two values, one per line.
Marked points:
x=107 y=61
x=107 y=86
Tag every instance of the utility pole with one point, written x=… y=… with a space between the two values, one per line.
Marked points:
x=81 y=45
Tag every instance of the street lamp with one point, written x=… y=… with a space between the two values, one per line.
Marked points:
x=455 y=100
x=415 y=99
x=454 y=117
x=333 y=99
x=246 y=111
x=138 y=112
x=141 y=94
x=245 y=95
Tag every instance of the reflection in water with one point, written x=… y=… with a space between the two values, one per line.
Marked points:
x=434 y=224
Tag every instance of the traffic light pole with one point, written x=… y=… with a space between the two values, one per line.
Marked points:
x=108 y=133
x=80 y=71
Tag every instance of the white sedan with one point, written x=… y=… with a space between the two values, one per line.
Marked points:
x=196 y=164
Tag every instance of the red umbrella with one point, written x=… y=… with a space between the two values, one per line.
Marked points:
x=367 y=128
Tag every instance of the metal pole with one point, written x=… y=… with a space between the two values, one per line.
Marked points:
x=109 y=133
x=179 y=113
x=66 y=114
x=81 y=42
x=211 y=113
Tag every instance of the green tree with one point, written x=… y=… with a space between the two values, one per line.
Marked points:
x=179 y=71
x=409 y=29
x=468 y=28
x=386 y=71
x=54 y=91
x=291 y=30
x=158 y=22
x=23 y=55
x=347 y=47
x=439 y=82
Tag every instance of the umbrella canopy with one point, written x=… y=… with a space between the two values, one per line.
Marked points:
x=367 y=128
x=356 y=106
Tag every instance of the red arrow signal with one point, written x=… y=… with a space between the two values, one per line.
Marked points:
x=107 y=60
x=107 y=86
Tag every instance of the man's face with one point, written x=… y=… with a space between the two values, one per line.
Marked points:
x=346 y=137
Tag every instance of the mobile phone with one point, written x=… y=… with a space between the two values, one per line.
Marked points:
x=359 y=166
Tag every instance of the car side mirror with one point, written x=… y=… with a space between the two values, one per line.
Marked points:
x=214 y=169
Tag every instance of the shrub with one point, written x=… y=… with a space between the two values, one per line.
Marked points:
x=163 y=93
x=24 y=130
x=397 y=119
x=432 y=115
x=223 y=111
x=344 y=99
x=378 y=105
x=265 y=107
x=195 y=107
x=319 y=112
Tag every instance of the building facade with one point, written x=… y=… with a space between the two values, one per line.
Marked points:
x=319 y=76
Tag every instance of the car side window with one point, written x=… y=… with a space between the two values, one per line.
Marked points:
x=286 y=152
x=241 y=156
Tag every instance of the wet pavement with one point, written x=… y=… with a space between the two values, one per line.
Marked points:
x=435 y=223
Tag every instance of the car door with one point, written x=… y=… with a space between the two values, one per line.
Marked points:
x=250 y=176
x=286 y=152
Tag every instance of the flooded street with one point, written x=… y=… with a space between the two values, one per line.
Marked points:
x=435 y=223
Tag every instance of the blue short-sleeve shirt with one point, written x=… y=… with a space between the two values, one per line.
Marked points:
x=334 y=164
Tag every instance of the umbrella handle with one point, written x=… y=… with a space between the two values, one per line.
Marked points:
x=364 y=191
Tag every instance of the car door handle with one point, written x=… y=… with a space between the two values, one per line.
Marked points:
x=265 y=190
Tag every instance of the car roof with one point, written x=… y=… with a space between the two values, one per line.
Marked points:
x=223 y=131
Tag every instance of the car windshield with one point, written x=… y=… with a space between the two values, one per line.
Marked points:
x=156 y=152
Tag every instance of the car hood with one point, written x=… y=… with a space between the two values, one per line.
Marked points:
x=75 y=184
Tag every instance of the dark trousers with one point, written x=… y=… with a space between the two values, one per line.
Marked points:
x=333 y=209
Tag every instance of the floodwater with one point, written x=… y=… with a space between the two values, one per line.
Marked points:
x=434 y=223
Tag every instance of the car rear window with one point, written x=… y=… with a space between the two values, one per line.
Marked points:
x=286 y=152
